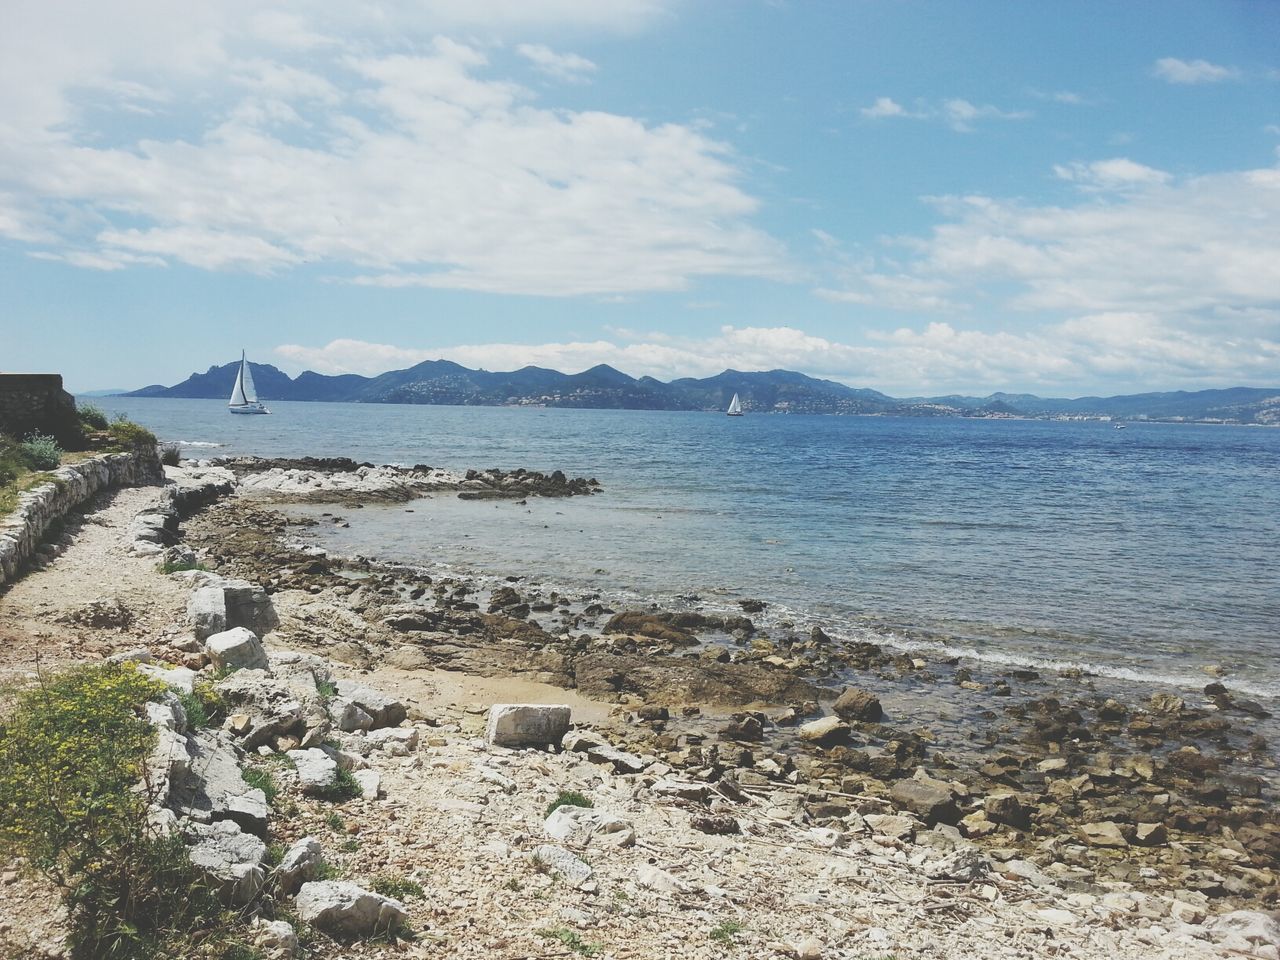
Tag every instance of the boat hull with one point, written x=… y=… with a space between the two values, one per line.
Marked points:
x=249 y=408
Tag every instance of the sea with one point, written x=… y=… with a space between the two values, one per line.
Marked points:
x=1149 y=555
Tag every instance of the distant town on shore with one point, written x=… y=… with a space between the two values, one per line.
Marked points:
x=773 y=391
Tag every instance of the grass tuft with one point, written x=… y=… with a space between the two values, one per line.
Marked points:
x=568 y=798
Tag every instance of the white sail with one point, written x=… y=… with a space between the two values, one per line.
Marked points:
x=735 y=407
x=238 y=398
x=246 y=381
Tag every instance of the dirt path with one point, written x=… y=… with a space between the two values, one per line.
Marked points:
x=44 y=617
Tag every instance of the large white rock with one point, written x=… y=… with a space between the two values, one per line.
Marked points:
x=386 y=711
x=180 y=679
x=1245 y=931
x=301 y=864
x=232 y=858
x=573 y=871
x=581 y=827
x=223 y=604
x=526 y=724
x=338 y=906
x=317 y=771
x=271 y=705
x=370 y=783
x=213 y=788
x=236 y=649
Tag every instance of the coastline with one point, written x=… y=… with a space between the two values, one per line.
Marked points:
x=1053 y=794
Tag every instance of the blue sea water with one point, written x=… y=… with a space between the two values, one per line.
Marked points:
x=1149 y=554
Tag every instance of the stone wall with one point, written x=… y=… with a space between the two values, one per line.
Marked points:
x=22 y=530
x=36 y=402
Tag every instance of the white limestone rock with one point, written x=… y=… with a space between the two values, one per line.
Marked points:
x=236 y=649
x=338 y=906
x=581 y=827
x=526 y=724
x=370 y=782
x=317 y=771
x=573 y=871
x=301 y=864
x=386 y=711
x=232 y=858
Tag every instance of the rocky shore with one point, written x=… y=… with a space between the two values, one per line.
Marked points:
x=756 y=791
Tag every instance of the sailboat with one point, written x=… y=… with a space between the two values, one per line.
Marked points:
x=244 y=398
x=735 y=407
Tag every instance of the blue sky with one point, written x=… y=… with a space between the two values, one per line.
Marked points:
x=921 y=197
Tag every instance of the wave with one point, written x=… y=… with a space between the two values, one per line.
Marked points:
x=195 y=443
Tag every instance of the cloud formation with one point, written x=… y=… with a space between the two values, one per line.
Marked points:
x=1112 y=347
x=1188 y=72
x=309 y=144
x=960 y=115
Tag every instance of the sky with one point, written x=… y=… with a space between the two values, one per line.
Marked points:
x=919 y=197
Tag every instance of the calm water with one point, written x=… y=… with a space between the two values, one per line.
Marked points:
x=1148 y=553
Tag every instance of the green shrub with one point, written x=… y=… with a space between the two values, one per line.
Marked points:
x=175 y=566
x=203 y=705
x=264 y=781
x=71 y=754
x=129 y=434
x=402 y=888
x=568 y=798
x=42 y=451
x=170 y=454
x=344 y=788
x=724 y=933
x=326 y=689
x=571 y=939
x=92 y=417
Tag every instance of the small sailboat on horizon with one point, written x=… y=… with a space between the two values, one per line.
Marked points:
x=735 y=407
x=244 y=396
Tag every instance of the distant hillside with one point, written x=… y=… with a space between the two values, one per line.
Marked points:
x=772 y=391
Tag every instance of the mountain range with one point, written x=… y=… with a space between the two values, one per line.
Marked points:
x=773 y=391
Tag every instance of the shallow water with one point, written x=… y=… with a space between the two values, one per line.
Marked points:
x=1147 y=554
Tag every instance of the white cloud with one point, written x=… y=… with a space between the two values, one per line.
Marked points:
x=1117 y=348
x=405 y=168
x=1201 y=247
x=562 y=66
x=1192 y=71
x=960 y=115
x=884 y=107
x=1118 y=173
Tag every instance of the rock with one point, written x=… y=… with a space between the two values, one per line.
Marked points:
x=1186 y=912
x=276 y=937
x=721 y=825
x=385 y=711
x=1150 y=835
x=827 y=730
x=562 y=863
x=964 y=865
x=271 y=706
x=810 y=948
x=301 y=864
x=394 y=741
x=370 y=782
x=212 y=787
x=1246 y=930
x=891 y=825
x=526 y=724
x=1007 y=809
x=743 y=726
x=232 y=858
x=930 y=802
x=347 y=715
x=225 y=604
x=580 y=827
x=1103 y=834
x=855 y=704
x=977 y=825
x=1166 y=703
x=236 y=649
x=175 y=678
x=408 y=658
x=620 y=760
x=337 y=906
x=681 y=789
x=317 y=771
x=658 y=880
